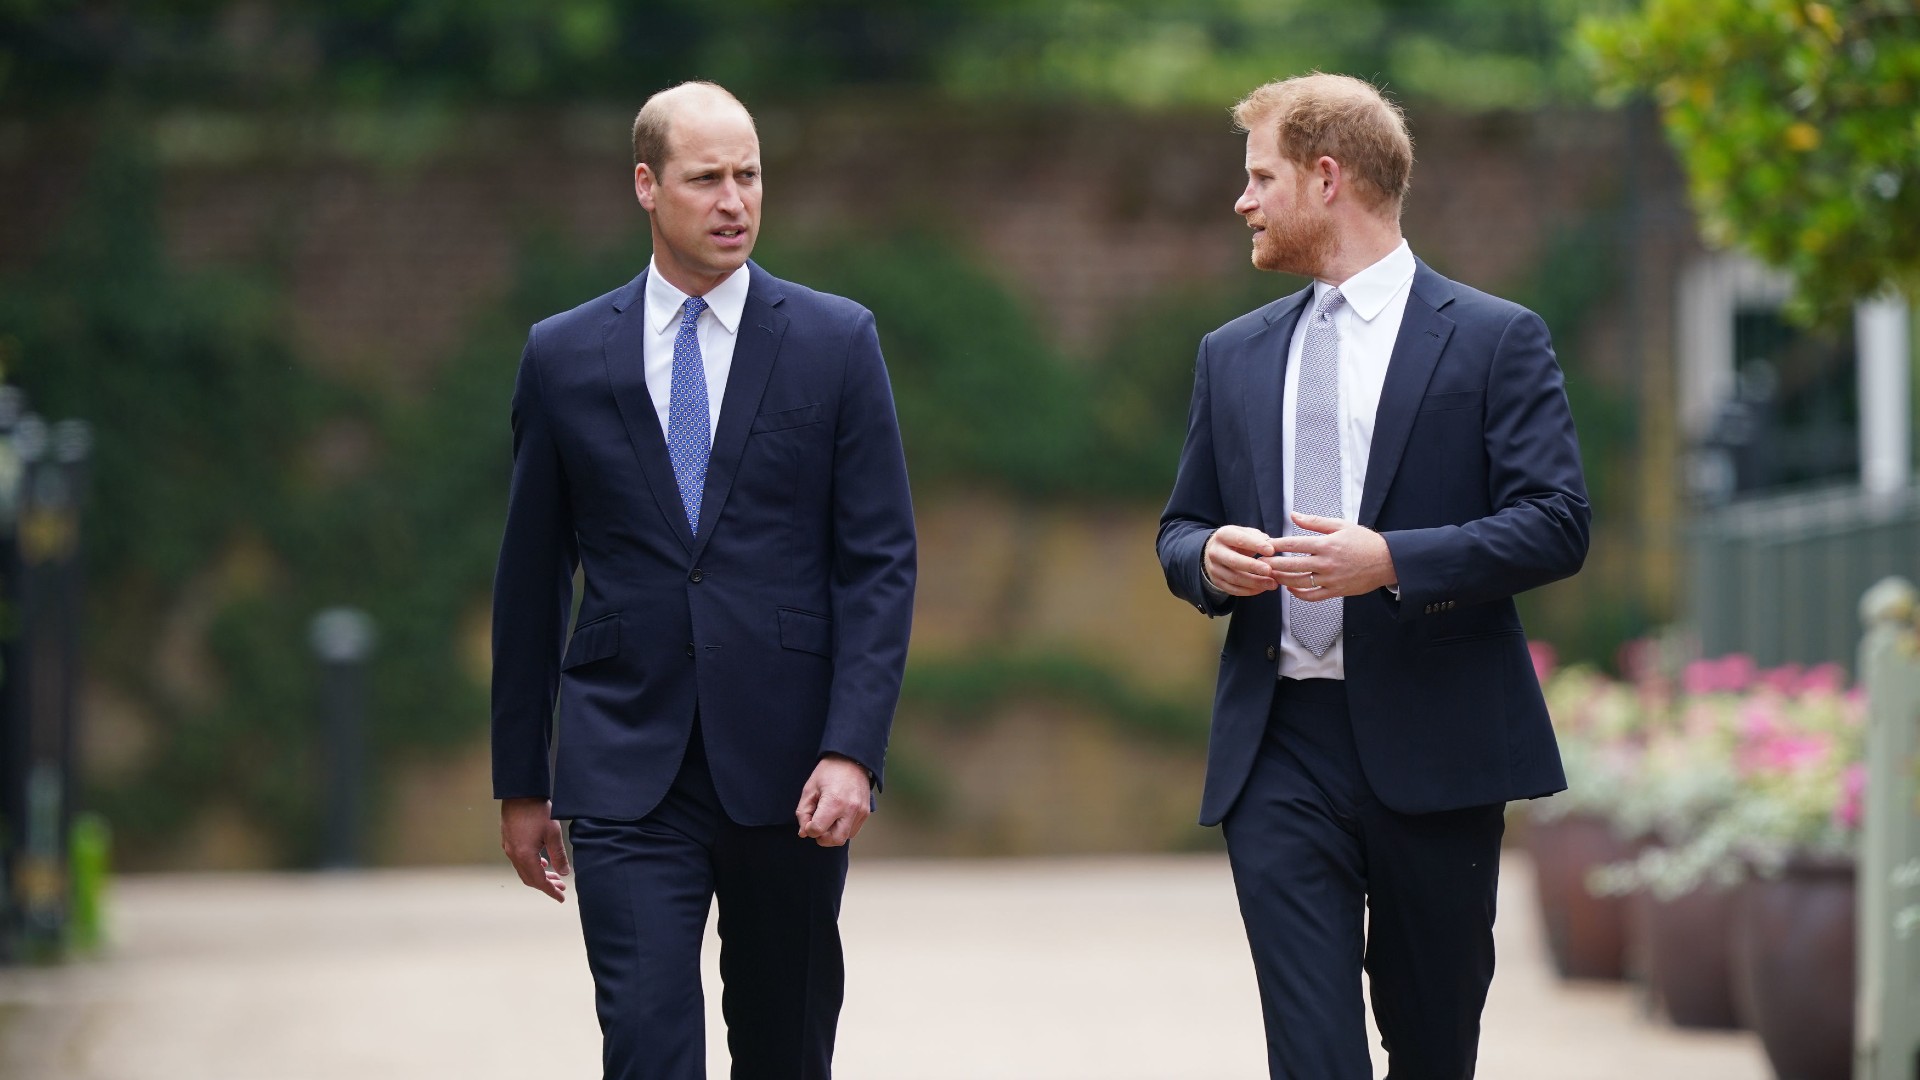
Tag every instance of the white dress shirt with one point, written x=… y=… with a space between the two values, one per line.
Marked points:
x=1368 y=324
x=718 y=329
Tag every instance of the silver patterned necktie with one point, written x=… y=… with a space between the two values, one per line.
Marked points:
x=689 y=419
x=1316 y=462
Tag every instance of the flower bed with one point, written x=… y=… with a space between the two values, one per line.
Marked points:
x=1729 y=788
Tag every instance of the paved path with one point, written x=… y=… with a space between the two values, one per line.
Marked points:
x=1109 y=969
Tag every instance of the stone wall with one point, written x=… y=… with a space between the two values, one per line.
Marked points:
x=395 y=235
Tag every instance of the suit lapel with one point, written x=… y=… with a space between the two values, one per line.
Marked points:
x=754 y=350
x=1263 y=396
x=624 y=348
x=1416 y=351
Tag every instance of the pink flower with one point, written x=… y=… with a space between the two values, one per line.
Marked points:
x=1545 y=659
x=1788 y=753
x=1727 y=675
x=1853 y=788
x=1826 y=678
x=1781 y=679
x=1760 y=719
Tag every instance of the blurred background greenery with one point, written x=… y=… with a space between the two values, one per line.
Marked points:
x=283 y=255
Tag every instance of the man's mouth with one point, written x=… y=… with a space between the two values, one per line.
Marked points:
x=729 y=233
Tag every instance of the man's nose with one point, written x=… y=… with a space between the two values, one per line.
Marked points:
x=1246 y=203
x=730 y=200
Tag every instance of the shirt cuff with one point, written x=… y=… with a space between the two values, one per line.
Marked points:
x=1213 y=591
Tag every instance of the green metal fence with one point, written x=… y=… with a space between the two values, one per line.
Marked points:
x=1778 y=577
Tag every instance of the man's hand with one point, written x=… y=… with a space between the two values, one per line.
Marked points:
x=1335 y=558
x=531 y=839
x=836 y=801
x=1234 y=561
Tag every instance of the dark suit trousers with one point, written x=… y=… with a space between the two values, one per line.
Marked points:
x=645 y=888
x=1313 y=852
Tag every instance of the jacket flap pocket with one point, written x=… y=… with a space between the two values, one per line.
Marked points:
x=805 y=631
x=1473 y=635
x=789 y=418
x=592 y=641
x=1460 y=399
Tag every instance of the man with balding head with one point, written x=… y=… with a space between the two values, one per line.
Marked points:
x=715 y=451
x=1374 y=467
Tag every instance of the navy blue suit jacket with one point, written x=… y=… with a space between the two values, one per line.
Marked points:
x=1474 y=480
x=782 y=620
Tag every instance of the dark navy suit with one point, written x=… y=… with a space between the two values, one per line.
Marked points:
x=708 y=670
x=1385 y=791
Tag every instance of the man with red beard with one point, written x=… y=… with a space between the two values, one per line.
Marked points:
x=1374 y=467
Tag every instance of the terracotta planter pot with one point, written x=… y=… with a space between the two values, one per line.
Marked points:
x=1794 y=968
x=1586 y=934
x=1686 y=955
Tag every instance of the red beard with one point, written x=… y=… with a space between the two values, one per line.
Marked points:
x=1299 y=243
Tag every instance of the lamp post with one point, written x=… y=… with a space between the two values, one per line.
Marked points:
x=44 y=468
x=343 y=638
x=13 y=721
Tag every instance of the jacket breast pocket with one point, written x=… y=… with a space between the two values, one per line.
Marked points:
x=1460 y=399
x=592 y=641
x=788 y=418
x=806 y=632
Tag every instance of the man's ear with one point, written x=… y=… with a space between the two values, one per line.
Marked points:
x=1327 y=172
x=643 y=185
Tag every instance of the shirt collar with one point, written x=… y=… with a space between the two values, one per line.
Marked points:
x=1368 y=291
x=726 y=300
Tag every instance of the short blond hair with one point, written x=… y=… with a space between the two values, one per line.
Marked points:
x=651 y=124
x=1341 y=117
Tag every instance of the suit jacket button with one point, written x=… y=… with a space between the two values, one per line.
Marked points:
x=689 y=648
x=695 y=576
x=1273 y=653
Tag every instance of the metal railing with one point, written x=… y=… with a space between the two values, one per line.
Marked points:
x=43 y=469
x=1777 y=577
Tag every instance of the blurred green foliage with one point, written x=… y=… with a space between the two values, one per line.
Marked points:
x=201 y=411
x=1799 y=125
x=1587 y=617
x=1468 y=54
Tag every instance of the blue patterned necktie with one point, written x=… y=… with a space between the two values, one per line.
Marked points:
x=689 y=423
x=1316 y=462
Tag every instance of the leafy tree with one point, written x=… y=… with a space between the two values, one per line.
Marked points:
x=1469 y=54
x=1799 y=125
x=1472 y=54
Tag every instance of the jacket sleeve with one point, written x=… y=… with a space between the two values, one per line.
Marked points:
x=1538 y=532
x=532 y=591
x=1195 y=509
x=873 y=559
